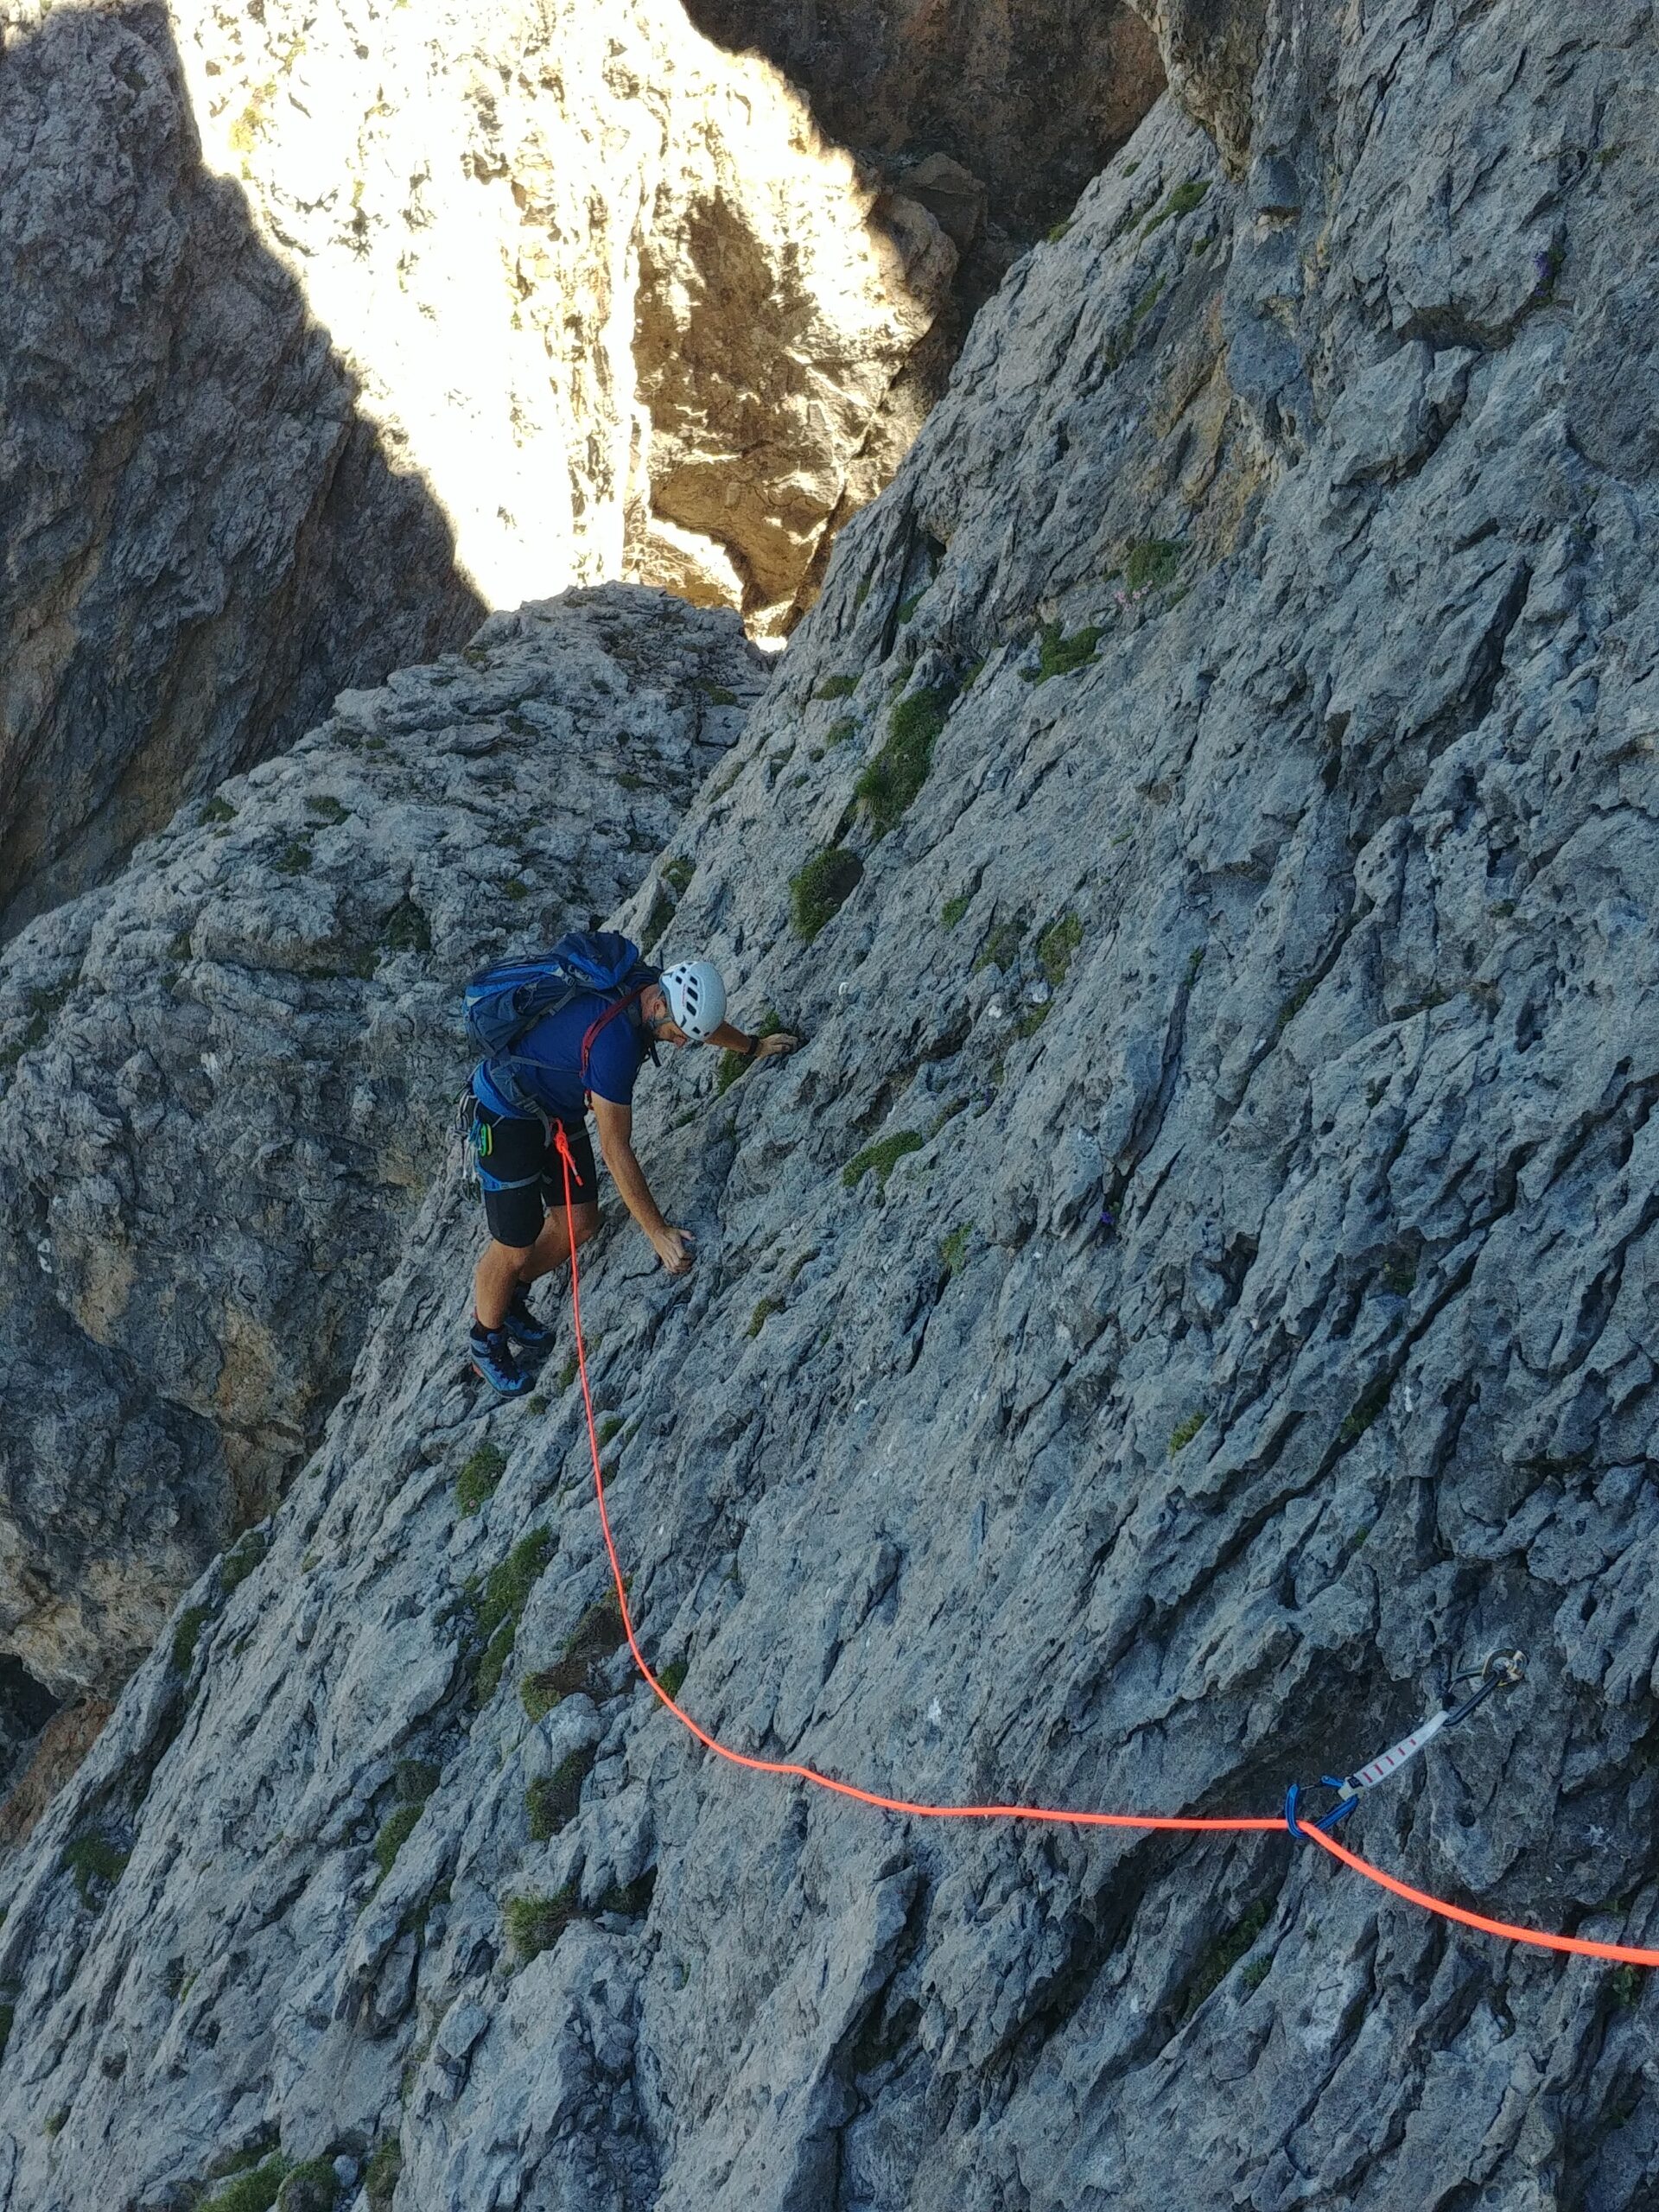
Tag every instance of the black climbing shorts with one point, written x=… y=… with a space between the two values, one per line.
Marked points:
x=512 y=1148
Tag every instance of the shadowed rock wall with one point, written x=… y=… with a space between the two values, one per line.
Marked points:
x=995 y=114
x=203 y=539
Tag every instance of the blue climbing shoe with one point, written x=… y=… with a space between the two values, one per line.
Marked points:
x=522 y=1326
x=491 y=1357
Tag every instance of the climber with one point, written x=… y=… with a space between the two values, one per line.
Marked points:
x=518 y=1151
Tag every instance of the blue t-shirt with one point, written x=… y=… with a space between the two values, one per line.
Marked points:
x=553 y=1048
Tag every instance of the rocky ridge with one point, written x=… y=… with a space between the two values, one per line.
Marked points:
x=227 y=1080
x=1194 y=1285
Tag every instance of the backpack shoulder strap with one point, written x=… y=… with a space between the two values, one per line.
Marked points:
x=610 y=1013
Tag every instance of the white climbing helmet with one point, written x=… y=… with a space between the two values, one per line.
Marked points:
x=696 y=998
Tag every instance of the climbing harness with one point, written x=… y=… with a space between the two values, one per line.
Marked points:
x=1501 y=1671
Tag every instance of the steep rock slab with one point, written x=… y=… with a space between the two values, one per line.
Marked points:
x=204 y=540
x=1196 y=1282
x=227 y=1080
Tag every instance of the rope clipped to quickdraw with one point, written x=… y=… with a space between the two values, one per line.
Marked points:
x=1501 y=1671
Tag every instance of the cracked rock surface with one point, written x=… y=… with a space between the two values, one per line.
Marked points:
x=1196 y=1283
x=227 y=1080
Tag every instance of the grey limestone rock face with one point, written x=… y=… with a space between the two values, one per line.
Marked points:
x=1195 y=1285
x=225 y=1081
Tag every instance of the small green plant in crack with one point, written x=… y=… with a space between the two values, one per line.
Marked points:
x=632 y=1902
x=672 y=1677
x=1002 y=946
x=381 y=2174
x=890 y=782
x=255 y=2190
x=406 y=929
x=1294 y=1005
x=43 y=1005
x=1058 y=655
x=1220 y=1961
x=821 y=888
x=836 y=687
x=736 y=1065
x=717 y=695
x=863 y=591
x=677 y=874
x=294 y=859
x=908 y=607
x=414 y=1781
x=954 y=1250
x=1149 y=564
x=534 y=1924
x=1184 y=1432
x=186 y=1634
x=241 y=1560
x=311 y=2187
x=218 y=809
x=394 y=1833
x=56 y=2121
x=1624 y=1986
x=882 y=1157
x=953 y=909
x=1055 y=946
x=325 y=808
x=1399 y=1279
x=842 y=733
x=97 y=1866
x=610 y=1425
x=763 y=1313
x=1365 y=1409
x=1182 y=201
x=595 y=1635
x=480 y=1473
x=553 y=1801
x=497 y=1606
x=1059 y=231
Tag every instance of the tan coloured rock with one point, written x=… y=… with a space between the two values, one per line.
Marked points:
x=604 y=285
x=58 y=1750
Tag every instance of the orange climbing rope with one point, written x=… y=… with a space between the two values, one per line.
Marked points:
x=1050 y=1814
x=1620 y=1954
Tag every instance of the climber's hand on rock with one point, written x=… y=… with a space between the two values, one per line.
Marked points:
x=673 y=1248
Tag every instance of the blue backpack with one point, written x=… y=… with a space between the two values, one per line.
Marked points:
x=503 y=1001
